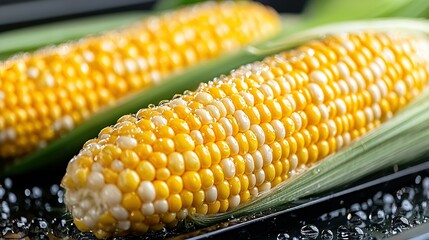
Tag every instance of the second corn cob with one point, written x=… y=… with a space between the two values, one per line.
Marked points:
x=211 y=150
x=45 y=94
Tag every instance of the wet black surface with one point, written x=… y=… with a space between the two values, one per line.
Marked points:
x=387 y=204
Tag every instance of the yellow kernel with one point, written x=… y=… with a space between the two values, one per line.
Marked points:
x=313 y=153
x=198 y=198
x=131 y=201
x=204 y=156
x=234 y=186
x=162 y=174
x=158 y=159
x=145 y=124
x=164 y=145
x=175 y=184
x=80 y=225
x=146 y=171
x=251 y=140
x=219 y=131
x=302 y=156
x=164 y=132
x=174 y=202
x=293 y=145
x=192 y=162
x=215 y=153
x=81 y=176
x=110 y=176
x=217 y=173
x=223 y=190
x=128 y=180
x=270 y=172
x=243 y=145
x=270 y=134
x=207 y=178
x=208 y=134
x=224 y=149
x=106 y=218
x=179 y=126
x=161 y=189
x=323 y=147
x=213 y=207
x=183 y=142
x=277 y=151
x=129 y=158
x=264 y=113
x=187 y=198
x=202 y=209
x=275 y=109
x=240 y=165
x=192 y=181
x=176 y=163
x=224 y=205
x=245 y=196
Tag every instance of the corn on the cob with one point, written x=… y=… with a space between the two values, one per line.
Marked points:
x=45 y=94
x=211 y=150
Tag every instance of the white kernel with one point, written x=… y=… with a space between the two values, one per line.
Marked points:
x=367 y=74
x=125 y=142
x=119 y=212
x=117 y=165
x=97 y=167
x=275 y=87
x=227 y=126
x=147 y=209
x=376 y=70
x=130 y=65
x=343 y=69
x=369 y=114
x=123 y=225
x=161 y=206
x=259 y=133
x=267 y=154
x=33 y=72
x=344 y=87
x=182 y=214
x=324 y=112
x=353 y=86
x=258 y=159
x=346 y=138
x=340 y=141
x=400 y=88
x=297 y=120
x=146 y=191
x=293 y=160
x=204 y=116
x=377 y=111
x=341 y=106
x=229 y=105
x=252 y=180
x=381 y=64
x=77 y=212
x=221 y=108
x=211 y=194
x=359 y=80
x=242 y=120
x=214 y=111
x=95 y=180
x=177 y=102
x=204 y=98
x=159 y=121
x=228 y=167
x=292 y=102
x=374 y=91
x=348 y=45
x=197 y=137
x=89 y=221
x=233 y=145
x=316 y=93
x=104 y=136
x=85 y=204
x=318 y=77
x=111 y=195
x=248 y=98
x=332 y=128
x=254 y=192
x=118 y=67
x=260 y=176
x=88 y=56
x=234 y=201
x=382 y=87
x=2 y=95
x=249 y=163
x=284 y=85
x=265 y=187
x=279 y=129
x=10 y=134
x=267 y=91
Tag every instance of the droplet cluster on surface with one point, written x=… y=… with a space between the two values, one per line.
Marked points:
x=45 y=94
x=211 y=150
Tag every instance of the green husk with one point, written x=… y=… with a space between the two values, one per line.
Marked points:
x=402 y=139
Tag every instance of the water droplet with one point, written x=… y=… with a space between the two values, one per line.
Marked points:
x=6 y=230
x=151 y=106
x=38 y=226
x=343 y=232
x=36 y=192
x=310 y=231
x=378 y=198
x=388 y=198
x=176 y=96
x=396 y=230
x=327 y=234
x=316 y=170
x=283 y=236
x=2 y=192
x=418 y=179
x=356 y=233
x=400 y=222
x=8 y=183
x=405 y=193
x=11 y=197
x=377 y=216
